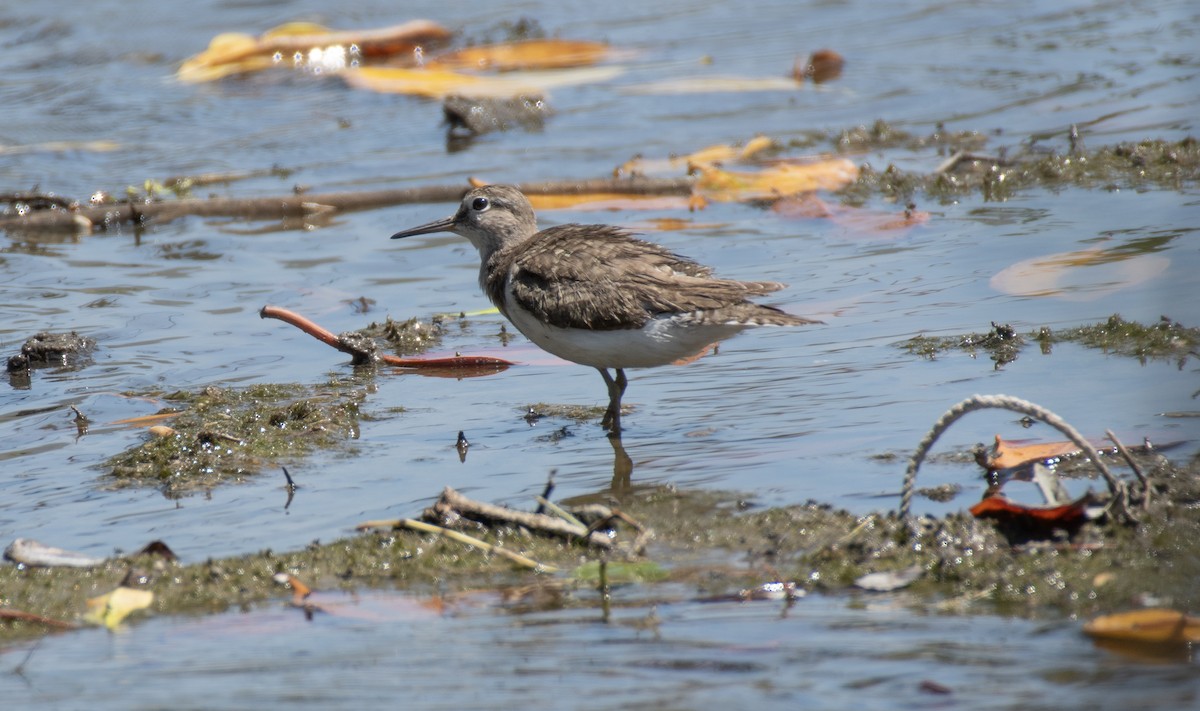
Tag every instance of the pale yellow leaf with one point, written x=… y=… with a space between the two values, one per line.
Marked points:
x=530 y=54
x=111 y=608
x=776 y=181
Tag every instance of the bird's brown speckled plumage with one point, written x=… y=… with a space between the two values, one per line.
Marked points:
x=565 y=286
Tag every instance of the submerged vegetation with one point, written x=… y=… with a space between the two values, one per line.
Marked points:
x=219 y=435
x=1164 y=340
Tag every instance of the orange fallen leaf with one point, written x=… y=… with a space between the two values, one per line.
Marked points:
x=303 y=42
x=776 y=181
x=1006 y=454
x=529 y=54
x=1038 y=519
x=1153 y=625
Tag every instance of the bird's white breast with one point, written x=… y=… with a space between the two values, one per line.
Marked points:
x=661 y=341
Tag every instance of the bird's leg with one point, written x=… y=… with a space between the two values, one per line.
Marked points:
x=616 y=388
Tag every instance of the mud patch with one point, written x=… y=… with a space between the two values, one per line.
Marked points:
x=221 y=435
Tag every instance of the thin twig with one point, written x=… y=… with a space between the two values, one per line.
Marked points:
x=299 y=206
x=453 y=502
x=1137 y=470
x=472 y=541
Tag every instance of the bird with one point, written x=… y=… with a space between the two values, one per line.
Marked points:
x=596 y=294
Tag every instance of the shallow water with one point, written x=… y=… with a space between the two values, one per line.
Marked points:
x=785 y=415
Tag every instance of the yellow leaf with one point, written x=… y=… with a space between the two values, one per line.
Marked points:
x=439 y=83
x=432 y=83
x=111 y=608
x=238 y=53
x=1155 y=625
x=530 y=54
x=725 y=153
x=775 y=182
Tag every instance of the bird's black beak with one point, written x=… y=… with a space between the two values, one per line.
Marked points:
x=443 y=225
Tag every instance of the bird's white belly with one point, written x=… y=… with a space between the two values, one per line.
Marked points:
x=662 y=341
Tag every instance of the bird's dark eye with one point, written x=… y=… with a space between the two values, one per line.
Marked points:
x=479 y=204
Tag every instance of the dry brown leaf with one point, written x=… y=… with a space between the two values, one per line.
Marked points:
x=530 y=54
x=776 y=181
x=1153 y=625
x=822 y=65
x=1007 y=454
x=238 y=53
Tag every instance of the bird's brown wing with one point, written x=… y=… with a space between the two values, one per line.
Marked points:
x=599 y=277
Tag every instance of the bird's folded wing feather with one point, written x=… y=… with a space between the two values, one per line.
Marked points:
x=610 y=280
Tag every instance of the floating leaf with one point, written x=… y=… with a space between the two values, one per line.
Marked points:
x=439 y=83
x=530 y=54
x=722 y=153
x=1020 y=522
x=822 y=65
x=1084 y=275
x=307 y=44
x=777 y=181
x=1006 y=454
x=1153 y=625
x=111 y=608
x=715 y=84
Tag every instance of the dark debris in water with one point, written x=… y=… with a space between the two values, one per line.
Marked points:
x=1164 y=340
x=45 y=349
x=967 y=171
x=221 y=435
x=408 y=337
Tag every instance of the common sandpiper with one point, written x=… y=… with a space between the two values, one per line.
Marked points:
x=596 y=295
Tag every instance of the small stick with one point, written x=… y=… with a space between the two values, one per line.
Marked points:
x=546 y=491
x=451 y=500
x=472 y=541
x=548 y=505
x=1137 y=470
x=300 y=206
